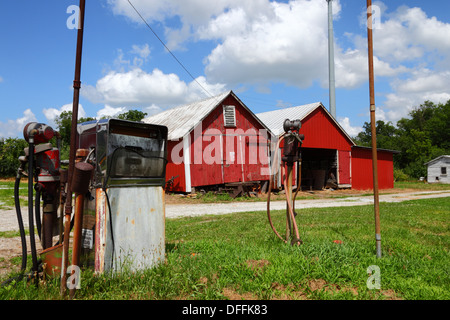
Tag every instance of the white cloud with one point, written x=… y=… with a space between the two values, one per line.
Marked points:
x=260 y=42
x=52 y=113
x=257 y=48
x=352 y=131
x=14 y=128
x=137 y=88
x=109 y=111
x=1 y=79
x=422 y=85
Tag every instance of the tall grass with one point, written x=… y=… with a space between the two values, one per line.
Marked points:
x=237 y=256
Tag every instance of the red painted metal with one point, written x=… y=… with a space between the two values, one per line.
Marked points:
x=362 y=178
x=344 y=167
x=321 y=132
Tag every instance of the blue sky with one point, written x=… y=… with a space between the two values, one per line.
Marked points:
x=272 y=54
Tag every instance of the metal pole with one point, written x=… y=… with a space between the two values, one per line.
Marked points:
x=373 y=129
x=76 y=246
x=332 y=81
x=288 y=190
x=73 y=136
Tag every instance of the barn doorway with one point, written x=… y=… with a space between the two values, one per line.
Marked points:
x=318 y=165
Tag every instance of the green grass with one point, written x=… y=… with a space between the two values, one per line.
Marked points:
x=7 y=194
x=421 y=185
x=238 y=256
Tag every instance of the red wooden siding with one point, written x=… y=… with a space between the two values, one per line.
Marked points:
x=228 y=150
x=321 y=132
x=344 y=158
x=175 y=169
x=362 y=173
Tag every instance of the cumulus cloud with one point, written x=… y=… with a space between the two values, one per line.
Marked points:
x=422 y=85
x=52 y=113
x=138 y=88
x=14 y=128
x=351 y=130
x=255 y=44
x=259 y=48
x=109 y=112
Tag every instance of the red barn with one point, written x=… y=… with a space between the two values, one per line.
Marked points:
x=362 y=173
x=216 y=141
x=329 y=150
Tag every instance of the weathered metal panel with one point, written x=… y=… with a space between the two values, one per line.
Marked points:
x=137 y=240
x=138 y=223
x=100 y=230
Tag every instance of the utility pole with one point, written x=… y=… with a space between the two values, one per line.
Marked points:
x=331 y=81
x=373 y=129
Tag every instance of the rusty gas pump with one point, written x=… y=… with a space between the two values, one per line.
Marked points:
x=41 y=164
x=291 y=155
x=123 y=220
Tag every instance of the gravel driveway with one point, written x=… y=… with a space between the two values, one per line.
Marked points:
x=8 y=219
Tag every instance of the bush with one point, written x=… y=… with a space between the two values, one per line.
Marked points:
x=10 y=151
x=399 y=175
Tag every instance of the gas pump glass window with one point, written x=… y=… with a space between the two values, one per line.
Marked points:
x=135 y=153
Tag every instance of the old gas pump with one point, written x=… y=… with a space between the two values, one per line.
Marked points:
x=41 y=164
x=123 y=220
x=292 y=140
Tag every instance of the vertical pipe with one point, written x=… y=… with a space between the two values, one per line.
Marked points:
x=73 y=135
x=30 y=205
x=77 y=227
x=288 y=189
x=332 y=81
x=373 y=129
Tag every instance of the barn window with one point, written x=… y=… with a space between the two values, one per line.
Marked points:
x=229 y=116
x=443 y=170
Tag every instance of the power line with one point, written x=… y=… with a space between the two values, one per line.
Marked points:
x=162 y=42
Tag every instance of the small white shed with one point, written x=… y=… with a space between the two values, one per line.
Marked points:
x=438 y=170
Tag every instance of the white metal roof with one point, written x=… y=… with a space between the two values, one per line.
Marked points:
x=183 y=119
x=437 y=159
x=274 y=119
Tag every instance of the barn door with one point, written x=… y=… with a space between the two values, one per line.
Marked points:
x=232 y=159
x=344 y=167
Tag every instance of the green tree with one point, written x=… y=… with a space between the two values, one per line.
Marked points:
x=385 y=133
x=420 y=137
x=10 y=151
x=132 y=115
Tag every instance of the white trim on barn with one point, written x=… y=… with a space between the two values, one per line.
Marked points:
x=187 y=160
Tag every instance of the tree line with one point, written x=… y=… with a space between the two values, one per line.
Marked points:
x=421 y=137
x=12 y=148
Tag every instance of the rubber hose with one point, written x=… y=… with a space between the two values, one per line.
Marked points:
x=37 y=211
x=30 y=205
x=20 y=221
x=270 y=189
x=291 y=212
